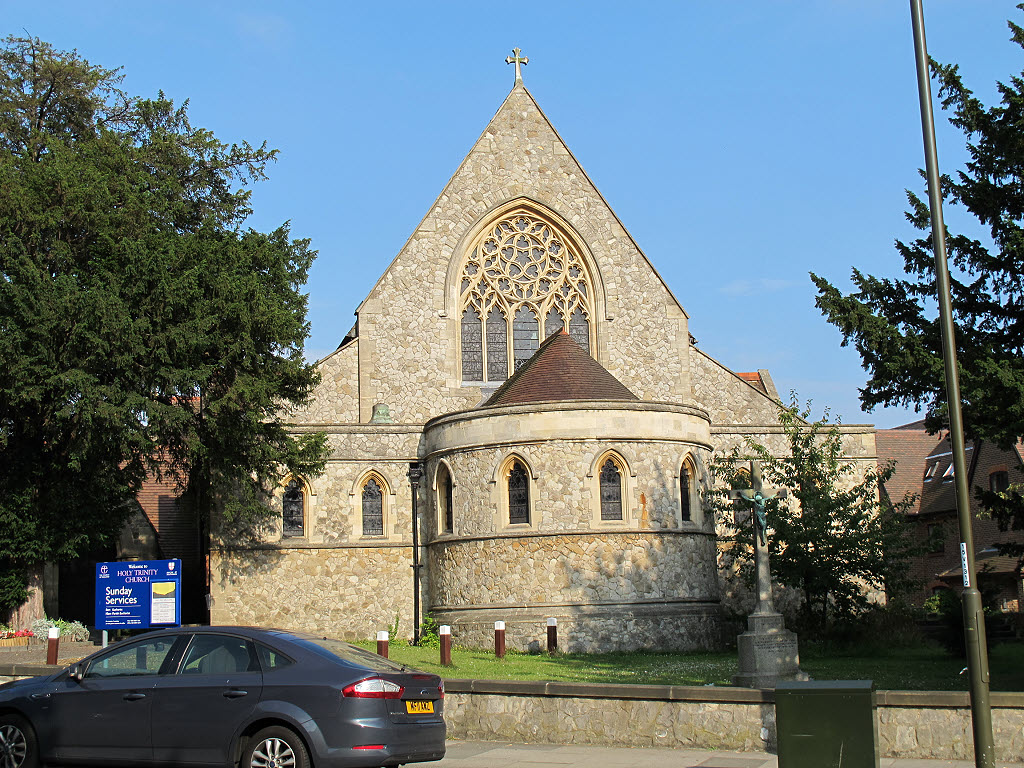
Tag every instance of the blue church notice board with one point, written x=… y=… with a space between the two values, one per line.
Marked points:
x=138 y=594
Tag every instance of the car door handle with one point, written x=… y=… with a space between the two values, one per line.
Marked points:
x=38 y=696
x=235 y=693
x=133 y=696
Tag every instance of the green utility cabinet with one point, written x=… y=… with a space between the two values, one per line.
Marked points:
x=827 y=724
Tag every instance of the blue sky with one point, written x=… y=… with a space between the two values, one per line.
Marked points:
x=742 y=143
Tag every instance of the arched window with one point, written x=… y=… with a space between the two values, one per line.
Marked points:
x=525 y=272
x=373 y=508
x=685 y=493
x=445 y=499
x=611 y=491
x=518 y=494
x=293 y=512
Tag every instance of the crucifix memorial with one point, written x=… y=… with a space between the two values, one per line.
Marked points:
x=767 y=650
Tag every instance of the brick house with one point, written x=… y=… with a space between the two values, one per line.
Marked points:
x=924 y=468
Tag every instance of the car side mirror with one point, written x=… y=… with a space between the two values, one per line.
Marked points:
x=76 y=673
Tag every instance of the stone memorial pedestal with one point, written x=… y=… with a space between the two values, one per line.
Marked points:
x=767 y=650
x=767 y=653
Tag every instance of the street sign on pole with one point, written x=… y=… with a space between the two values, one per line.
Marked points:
x=137 y=594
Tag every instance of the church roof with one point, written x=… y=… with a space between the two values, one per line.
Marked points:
x=559 y=370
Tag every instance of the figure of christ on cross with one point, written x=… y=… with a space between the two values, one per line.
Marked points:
x=759 y=497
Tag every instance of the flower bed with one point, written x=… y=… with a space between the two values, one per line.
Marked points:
x=15 y=638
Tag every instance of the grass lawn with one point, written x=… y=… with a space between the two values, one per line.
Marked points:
x=927 y=668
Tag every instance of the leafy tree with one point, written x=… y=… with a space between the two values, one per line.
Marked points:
x=893 y=322
x=142 y=329
x=833 y=538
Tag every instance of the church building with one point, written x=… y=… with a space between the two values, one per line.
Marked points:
x=521 y=430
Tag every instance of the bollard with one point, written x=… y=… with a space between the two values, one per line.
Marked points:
x=499 y=639
x=552 y=636
x=382 y=644
x=445 y=633
x=52 y=643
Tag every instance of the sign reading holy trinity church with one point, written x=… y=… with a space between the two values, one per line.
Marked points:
x=138 y=594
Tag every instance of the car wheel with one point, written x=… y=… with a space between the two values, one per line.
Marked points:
x=18 y=747
x=274 y=747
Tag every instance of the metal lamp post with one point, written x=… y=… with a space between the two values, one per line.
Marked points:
x=974 y=620
x=415 y=473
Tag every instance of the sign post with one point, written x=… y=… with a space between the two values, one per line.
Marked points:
x=138 y=594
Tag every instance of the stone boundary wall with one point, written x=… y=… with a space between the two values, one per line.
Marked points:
x=911 y=724
x=919 y=725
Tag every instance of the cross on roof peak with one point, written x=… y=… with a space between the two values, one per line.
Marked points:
x=517 y=60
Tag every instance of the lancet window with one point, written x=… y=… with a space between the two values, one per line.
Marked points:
x=521 y=280
x=611 y=491
x=518 y=494
x=293 y=517
x=373 y=509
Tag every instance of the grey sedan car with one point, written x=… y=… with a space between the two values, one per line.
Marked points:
x=228 y=696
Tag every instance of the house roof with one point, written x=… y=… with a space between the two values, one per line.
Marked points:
x=559 y=370
x=909 y=447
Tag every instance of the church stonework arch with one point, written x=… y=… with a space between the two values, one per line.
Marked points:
x=443 y=487
x=362 y=496
x=513 y=469
x=296 y=499
x=689 y=510
x=608 y=469
x=519 y=275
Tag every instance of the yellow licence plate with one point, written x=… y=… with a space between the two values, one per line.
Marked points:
x=419 y=707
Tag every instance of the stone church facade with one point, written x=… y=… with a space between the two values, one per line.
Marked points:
x=525 y=358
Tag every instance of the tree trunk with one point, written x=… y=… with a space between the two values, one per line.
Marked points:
x=32 y=609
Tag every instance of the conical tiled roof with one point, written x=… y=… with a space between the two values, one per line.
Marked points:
x=560 y=370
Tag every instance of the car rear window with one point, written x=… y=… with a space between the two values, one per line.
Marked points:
x=349 y=654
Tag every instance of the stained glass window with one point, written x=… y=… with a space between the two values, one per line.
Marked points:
x=472 y=346
x=497 y=346
x=553 y=323
x=373 y=509
x=525 y=335
x=684 y=494
x=522 y=272
x=293 y=513
x=611 y=491
x=579 y=329
x=518 y=494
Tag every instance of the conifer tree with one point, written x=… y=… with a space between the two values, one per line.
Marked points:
x=893 y=322
x=142 y=328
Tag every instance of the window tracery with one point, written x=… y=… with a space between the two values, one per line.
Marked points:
x=524 y=272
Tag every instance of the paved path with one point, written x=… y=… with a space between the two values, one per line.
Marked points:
x=482 y=754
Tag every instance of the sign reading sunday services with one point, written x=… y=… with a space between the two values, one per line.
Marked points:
x=138 y=594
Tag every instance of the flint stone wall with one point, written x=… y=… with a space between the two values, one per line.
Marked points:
x=347 y=592
x=518 y=157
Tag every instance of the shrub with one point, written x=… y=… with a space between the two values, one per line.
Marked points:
x=73 y=630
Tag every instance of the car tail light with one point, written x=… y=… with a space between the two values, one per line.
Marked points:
x=373 y=688
x=440 y=688
x=368 y=746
